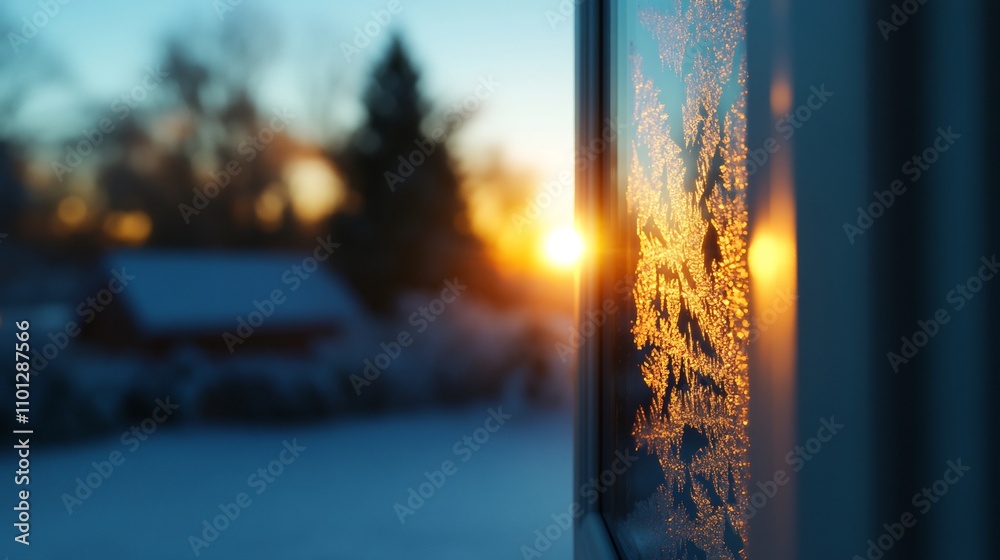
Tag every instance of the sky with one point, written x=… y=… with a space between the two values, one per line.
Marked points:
x=107 y=45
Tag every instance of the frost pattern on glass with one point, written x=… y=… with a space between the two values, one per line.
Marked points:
x=687 y=192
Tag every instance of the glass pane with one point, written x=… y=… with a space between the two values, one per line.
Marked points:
x=678 y=396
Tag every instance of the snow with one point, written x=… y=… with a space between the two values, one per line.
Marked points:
x=213 y=288
x=471 y=351
x=334 y=501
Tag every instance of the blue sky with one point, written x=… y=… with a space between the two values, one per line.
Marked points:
x=106 y=44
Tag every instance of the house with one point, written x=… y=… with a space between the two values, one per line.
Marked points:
x=220 y=301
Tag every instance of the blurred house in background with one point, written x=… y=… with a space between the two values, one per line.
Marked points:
x=222 y=302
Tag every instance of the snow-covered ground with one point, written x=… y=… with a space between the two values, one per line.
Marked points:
x=472 y=350
x=334 y=501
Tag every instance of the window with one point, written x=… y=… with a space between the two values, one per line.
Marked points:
x=674 y=443
x=709 y=109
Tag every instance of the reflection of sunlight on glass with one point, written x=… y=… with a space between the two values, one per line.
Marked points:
x=563 y=247
x=72 y=210
x=781 y=95
x=131 y=228
x=315 y=189
x=772 y=257
x=773 y=275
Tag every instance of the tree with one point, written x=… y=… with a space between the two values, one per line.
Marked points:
x=24 y=74
x=409 y=226
x=207 y=93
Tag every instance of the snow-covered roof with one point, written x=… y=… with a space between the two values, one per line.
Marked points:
x=177 y=292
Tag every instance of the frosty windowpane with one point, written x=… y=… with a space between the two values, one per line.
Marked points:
x=679 y=395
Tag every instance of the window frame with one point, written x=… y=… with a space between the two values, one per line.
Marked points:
x=594 y=89
x=844 y=327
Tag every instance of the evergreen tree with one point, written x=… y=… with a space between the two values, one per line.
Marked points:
x=409 y=226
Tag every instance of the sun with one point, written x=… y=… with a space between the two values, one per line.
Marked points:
x=563 y=247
